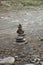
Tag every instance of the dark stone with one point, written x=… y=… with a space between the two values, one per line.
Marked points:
x=41 y=39
x=21 y=36
x=20 y=31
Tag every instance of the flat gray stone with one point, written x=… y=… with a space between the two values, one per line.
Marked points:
x=20 y=43
x=7 y=60
x=29 y=64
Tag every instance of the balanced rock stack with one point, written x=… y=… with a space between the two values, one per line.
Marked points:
x=21 y=35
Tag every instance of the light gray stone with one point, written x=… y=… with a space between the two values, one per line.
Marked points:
x=7 y=60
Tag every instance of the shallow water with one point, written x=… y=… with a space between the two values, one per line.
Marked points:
x=32 y=21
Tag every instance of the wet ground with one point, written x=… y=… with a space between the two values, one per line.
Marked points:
x=32 y=22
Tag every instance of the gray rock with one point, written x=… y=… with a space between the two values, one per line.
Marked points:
x=29 y=64
x=7 y=60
